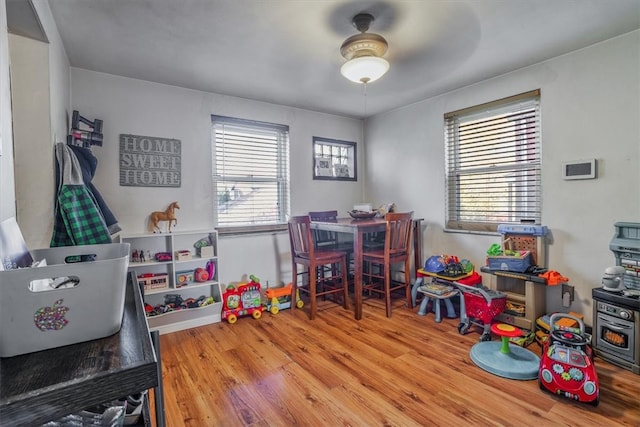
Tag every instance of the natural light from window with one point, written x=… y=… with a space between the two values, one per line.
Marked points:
x=251 y=172
x=493 y=165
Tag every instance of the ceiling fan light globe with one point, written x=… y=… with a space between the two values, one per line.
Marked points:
x=365 y=69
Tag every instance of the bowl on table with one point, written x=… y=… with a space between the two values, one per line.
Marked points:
x=362 y=214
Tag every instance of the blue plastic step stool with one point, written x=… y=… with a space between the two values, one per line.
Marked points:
x=436 y=298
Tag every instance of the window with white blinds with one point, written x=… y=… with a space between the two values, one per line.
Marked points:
x=493 y=164
x=251 y=174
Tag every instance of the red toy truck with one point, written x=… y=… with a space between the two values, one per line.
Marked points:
x=242 y=300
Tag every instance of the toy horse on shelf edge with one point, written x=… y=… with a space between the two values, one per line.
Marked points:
x=168 y=215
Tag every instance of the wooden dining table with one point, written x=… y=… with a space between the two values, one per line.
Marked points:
x=358 y=228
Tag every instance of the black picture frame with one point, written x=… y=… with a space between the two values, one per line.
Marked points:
x=334 y=160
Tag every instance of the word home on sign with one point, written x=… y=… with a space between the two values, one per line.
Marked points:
x=148 y=161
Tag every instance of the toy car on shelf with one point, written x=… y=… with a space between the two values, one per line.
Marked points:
x=566 y=365
x=280 y=299
x=242 y=300
x=163 y=256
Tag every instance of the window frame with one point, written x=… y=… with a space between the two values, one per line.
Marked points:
x=282 y=178
x=319 y=143
x=519 y=166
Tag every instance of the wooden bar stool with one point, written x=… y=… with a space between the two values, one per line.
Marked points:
x=330 y=240
x=396 y=250
x=303 y=252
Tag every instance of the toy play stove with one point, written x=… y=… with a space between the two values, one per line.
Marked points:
x=623 y=299
x=625 y=246
x=616 y=328
x=616 y=314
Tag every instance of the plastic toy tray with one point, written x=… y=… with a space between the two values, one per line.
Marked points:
x=519 y=264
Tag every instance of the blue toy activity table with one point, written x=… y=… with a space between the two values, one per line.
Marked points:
x=435 y=294
x=443 y=289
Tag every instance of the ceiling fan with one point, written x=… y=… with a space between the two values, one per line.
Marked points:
x=363 y=52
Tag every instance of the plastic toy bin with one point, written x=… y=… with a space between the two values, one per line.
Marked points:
x=35 y=315
x=510 y=263
x=478 y=307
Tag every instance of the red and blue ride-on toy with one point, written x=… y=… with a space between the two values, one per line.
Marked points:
x=566 y=365
x=242 y=300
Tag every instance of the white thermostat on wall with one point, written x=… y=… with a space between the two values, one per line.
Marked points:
x=579 y=169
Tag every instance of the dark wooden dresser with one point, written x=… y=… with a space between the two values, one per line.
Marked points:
x=39 y=387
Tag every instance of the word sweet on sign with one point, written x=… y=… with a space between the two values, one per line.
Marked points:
x=149 y=161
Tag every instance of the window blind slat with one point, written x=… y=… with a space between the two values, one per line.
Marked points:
x=493 y=163
x=251 y=172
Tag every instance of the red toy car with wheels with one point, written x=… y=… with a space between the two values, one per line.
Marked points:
x=566 y=365
x=242 y=300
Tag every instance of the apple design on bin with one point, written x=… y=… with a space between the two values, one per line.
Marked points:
x=51 y=318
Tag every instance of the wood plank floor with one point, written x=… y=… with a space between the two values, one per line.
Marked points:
x=285 y=370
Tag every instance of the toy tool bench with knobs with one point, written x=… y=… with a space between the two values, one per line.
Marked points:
x=513 y=274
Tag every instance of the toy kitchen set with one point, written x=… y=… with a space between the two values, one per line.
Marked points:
x=616 y=309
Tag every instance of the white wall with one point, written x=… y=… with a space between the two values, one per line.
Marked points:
x=137 y=107
x=590 y=107
x=32 y=138
x=7 y=191
x=59 y=75
x=40 y=97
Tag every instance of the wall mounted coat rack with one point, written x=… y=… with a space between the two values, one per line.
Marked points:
x=85 y=137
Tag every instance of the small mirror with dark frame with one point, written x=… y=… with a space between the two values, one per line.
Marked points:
x=334 y=159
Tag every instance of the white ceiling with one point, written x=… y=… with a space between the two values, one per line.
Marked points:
x=287 y=51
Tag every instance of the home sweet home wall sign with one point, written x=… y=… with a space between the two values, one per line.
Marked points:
x=149 y=161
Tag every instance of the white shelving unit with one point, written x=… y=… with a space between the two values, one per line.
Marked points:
x=151 y=244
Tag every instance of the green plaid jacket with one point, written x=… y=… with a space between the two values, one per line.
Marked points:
x=78 y=221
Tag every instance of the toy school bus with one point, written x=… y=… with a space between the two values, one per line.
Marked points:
x=242 y=300
x=280 y=299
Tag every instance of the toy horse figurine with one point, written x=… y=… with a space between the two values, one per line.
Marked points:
x=167 y=215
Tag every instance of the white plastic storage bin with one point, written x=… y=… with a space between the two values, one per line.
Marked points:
x=37 y=316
